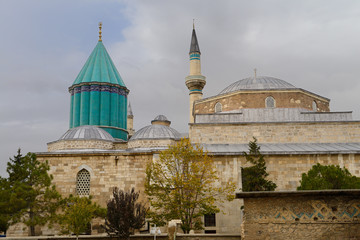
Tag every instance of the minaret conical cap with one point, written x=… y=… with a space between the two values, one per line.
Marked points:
x=129 y=110
x=194 y=45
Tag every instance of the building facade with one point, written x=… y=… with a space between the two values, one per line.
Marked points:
x=294 y=127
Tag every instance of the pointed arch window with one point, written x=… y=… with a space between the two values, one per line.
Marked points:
x=270 y=102
x=314 y=106
x=218 y=107
x=83 y=183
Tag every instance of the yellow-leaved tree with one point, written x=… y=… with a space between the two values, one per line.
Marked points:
x=183 y=184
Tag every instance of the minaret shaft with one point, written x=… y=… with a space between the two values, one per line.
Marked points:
x=195 y=67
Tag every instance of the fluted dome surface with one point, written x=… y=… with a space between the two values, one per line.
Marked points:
x=161 y=118
x=99 y=68
x=156 y=132
x=258 y=83
x=87 y=132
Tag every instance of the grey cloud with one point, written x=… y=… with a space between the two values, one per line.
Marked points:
x=311 y=44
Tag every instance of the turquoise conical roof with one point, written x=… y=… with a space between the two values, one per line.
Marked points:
x=99 y=68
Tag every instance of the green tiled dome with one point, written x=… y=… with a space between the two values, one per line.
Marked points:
x=99 y=95
x=99 y=68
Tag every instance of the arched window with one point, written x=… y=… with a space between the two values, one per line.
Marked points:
x=314 y=106
x=218 y=107
x=83 y=183
x=270 y=102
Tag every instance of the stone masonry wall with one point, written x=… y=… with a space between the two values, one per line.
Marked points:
x=107 y=170
x=129 y=171
x=256 y=99
x=295 y=216
x=313 y=132
x=79 y=144
x=150 y=143
x=286 y=170
x=140 y=237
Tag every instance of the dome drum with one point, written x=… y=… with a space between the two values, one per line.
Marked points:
x=83 y=137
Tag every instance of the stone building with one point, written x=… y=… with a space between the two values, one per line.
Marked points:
x=294 y=127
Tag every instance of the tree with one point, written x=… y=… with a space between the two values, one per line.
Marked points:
x=124 y=214
x=77 y=213
x=5 y=206
x=254 y=177
x=328 y=177
x=183 y=185
x=32 y=191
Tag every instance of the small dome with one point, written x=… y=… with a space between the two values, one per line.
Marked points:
x=86 y=132
x=258 y=83
x=161 y=118
x=156 y=132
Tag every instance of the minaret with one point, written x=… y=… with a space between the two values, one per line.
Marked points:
x=195 y=82
x=130 y=120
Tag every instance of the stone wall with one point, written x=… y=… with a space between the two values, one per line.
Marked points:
x=126 y=170
x=141 y=237
x=150 y=143
x=80 y=144
x=295 y=132
x=301 y=215
x=285 y=170
x=107 y=170
x=256 y=99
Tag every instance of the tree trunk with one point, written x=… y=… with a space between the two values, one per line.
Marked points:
x=32 y=227
x=32 y=230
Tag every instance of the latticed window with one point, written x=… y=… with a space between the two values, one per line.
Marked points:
x=83 y=183
x=218 y=107
x=270 y=102
x=209 y=220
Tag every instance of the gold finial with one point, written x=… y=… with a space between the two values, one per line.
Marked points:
x=100 y=26
x=255 y=72
x=193 y=23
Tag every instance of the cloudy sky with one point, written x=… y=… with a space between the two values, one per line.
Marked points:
x=314 y=45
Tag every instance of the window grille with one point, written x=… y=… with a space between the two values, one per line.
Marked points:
x=218 y=107
x=209 y=220
x=83 y=183
x=270 y=102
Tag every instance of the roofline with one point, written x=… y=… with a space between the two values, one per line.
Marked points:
x=80 y=139
x=235 y=113
x=154 y=139
x=101 y=152
x=267 y=153
x=248 y=123
x=263 y=90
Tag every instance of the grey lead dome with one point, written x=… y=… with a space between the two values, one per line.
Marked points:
x=87 y=132
x=258 y=83
x=161 y=118
x=156 y=131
